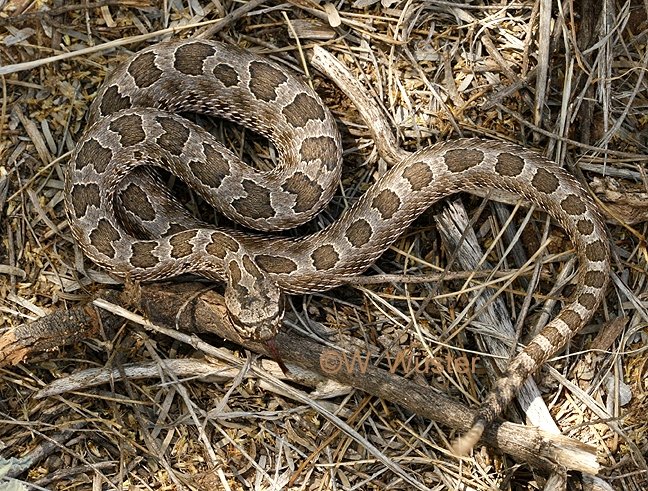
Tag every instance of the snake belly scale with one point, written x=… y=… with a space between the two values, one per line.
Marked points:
x=133 y=125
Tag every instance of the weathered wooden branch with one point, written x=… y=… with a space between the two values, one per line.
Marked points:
x=198 y=310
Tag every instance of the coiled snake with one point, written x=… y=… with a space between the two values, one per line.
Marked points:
x=132 y=227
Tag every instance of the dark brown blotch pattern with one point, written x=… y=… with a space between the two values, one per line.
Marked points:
x=144 y=71
x=302 y=109
x=175 y=135
x=509 y=165
x=257 y=202
x=265 y=80
x=227 y=75
x=553 y=335
x=596 y=251
x=235 y=275
x=359 y=233
x=571 y=318
x=276 y=264
x=129 y=128
x=190 y=58
x=136 y=201
x=535 y=351
x=325 y=257
x=585 y=227
x=544 y=181
x=143 y=256
x=112 y=101
x=252 y=268
x=462 y=160
x=103 y=236
x=573 y=205
x=587 y=300
x=419 y=175
x=83 y=196
x=387 y=203
x=213 y=173
x=221 y=244
x=594 y=279
x=307 y=192
x=180 y=245
x=94 y=154
x=319 y=147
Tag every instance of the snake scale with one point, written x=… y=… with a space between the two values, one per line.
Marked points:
x=133 y=227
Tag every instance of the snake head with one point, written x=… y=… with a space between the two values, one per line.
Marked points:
x=254 y=302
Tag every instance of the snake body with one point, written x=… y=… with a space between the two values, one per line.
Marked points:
x=132 y=227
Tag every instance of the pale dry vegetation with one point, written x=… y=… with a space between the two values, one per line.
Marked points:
x=565 y=78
